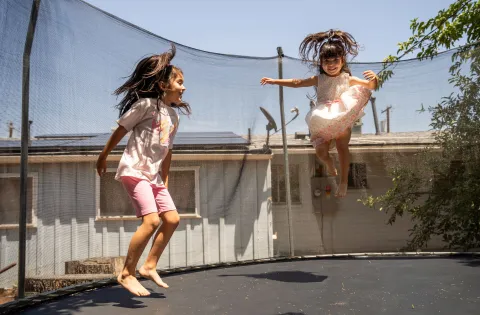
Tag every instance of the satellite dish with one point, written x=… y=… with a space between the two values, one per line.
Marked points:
x=273 y=125
x=271 y=122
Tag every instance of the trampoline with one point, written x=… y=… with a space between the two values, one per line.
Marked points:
x=244 y=189
x=438 y=284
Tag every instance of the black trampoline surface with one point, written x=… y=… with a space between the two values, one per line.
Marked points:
x=320 y=286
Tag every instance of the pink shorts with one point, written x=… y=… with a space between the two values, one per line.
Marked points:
x=147 y=197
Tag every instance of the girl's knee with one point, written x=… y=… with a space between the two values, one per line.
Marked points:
x=343 y=148
x=171 y=218
x=343 y=144
x=344 y=139
x=151 y=221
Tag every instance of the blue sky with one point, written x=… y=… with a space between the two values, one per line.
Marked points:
x=257 y=27
x=80 y=56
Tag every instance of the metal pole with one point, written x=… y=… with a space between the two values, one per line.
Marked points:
x=375 y=118
x=285 y=153
x=388 y=120
x=24 y=153
x=10 y=130
x=8 y=268
x=388 y=117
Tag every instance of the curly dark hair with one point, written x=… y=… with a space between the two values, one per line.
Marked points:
x=331 y=44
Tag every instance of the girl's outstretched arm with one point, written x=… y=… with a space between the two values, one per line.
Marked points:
x=165 y=168
x=371 y=81
x=115 y=138
x=294 y=83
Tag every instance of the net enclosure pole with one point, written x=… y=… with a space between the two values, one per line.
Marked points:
x=24 y=149
x=285 y=153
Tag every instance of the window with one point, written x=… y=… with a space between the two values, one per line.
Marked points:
x=183 y=185
x=357 y=175
x=114 y=203
x=279 y=191
x=10 y=200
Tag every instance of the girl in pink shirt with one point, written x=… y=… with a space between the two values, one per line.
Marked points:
x=152 y=92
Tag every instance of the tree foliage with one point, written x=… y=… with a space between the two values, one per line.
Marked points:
x=440 y=188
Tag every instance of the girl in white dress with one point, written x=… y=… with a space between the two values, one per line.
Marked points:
x=341 y=97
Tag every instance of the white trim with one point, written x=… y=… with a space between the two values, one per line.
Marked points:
x=196 y=215
x=361 y=149
x=283 y=206
x=117 y=218
x=97 y=193
x=34 y=176
x=116 y=157
x=196 y=170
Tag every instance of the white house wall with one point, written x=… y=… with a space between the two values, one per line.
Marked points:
x=232 y=226
x=352 y=227
x=304 y=220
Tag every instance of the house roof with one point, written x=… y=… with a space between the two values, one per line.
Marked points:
x=420 y=138
x=75 y=143
x=207 y=142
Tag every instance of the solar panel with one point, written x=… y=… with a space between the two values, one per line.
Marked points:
x=73 y=135
x=98 y=140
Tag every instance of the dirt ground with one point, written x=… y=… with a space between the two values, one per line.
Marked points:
x=7 y=295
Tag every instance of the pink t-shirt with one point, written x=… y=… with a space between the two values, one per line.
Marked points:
x=153 y=125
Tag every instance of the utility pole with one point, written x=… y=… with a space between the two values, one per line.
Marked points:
x=10 y=129
x=389 y=107
x=375 y=119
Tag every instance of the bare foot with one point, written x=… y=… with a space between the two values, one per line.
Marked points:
x=131 y=284
x=342 y=190
x=152 y=274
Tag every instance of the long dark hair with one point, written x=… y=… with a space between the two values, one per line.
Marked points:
x=330 y=44
x=145 y=80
